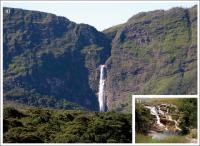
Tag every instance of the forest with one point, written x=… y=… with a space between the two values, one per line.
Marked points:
x=37 y=125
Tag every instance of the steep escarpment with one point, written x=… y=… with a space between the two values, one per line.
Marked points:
x=153 y=53
x=51 y=61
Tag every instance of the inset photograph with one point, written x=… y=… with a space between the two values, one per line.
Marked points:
x=166 y=120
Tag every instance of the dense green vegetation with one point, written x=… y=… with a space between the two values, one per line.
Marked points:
x=65 y=126
x=143 y=119
x=187 y=109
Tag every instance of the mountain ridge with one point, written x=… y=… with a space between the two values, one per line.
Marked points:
x=152 y=53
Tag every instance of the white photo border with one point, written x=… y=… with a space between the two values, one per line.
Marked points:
x=134 y=96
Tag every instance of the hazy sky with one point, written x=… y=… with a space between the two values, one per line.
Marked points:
x=101 y=15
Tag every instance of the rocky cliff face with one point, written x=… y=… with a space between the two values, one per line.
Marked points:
x=48 y=57
x=153 y=53
x=51 y=61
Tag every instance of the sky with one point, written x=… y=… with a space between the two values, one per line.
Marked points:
x=101 y=15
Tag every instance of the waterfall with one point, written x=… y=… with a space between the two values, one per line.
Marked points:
x=176 y=125
x=175 y=122
x=101 y=96
x=154 y=112
x=160 y=111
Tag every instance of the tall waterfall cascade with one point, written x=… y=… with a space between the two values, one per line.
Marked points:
x=101 y=96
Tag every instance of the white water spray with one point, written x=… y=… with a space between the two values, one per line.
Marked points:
x=101 y=96
x=155 y=113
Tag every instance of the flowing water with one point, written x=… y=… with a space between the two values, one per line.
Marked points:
x=176 y=123
x=101 y=96
x=154 y=112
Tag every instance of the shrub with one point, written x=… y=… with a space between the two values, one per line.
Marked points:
x=10 y=112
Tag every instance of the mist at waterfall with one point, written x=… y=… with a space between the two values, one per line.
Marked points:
x=101 y=96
